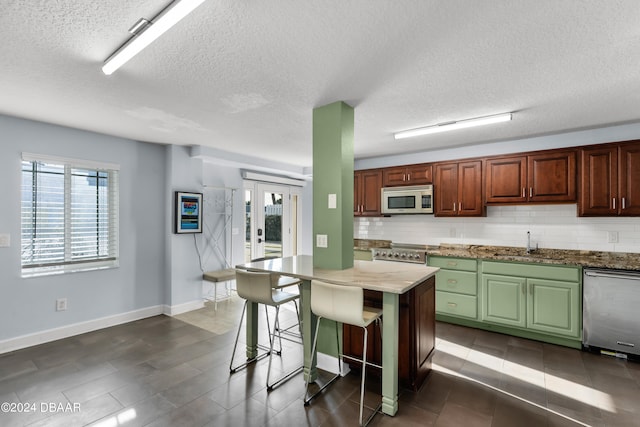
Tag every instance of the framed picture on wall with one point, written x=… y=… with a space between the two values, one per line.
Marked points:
x=188 y=213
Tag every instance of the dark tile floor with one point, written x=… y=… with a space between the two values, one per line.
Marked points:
x=163 y=371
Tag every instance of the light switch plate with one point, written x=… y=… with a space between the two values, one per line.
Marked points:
x=333 y=201
x=5 y=240
x=321 y=240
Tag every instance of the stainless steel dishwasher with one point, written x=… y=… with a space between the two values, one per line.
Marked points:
x=611 y=310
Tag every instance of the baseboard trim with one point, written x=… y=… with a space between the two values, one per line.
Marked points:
x=330 y=364
x=174 y=310
x=48 y=335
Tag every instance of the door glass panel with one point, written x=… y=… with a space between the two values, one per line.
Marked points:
x=272 y=224
x=247 y=226
x=294 y=224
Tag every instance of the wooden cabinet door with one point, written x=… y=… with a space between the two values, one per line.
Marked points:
x=552 y=177
x=371 y=185
x=554 y=307
x=357 y=193
x=470 y=201
x=424 y=329
x=446 y=189
x=366 y=192
x=598 y=181
x=420 y=174
x=629 y=179
x=392 y=177
x=506 y=180
x=504 y=300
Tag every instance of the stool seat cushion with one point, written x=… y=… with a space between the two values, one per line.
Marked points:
x=219 y=275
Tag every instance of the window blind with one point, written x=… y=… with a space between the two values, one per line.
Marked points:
x=69 y=216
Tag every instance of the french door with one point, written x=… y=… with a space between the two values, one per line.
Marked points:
x=272 y=220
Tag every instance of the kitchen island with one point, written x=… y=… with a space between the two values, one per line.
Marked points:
x=392 y=279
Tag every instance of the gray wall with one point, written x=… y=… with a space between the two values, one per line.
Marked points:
x=139 y=282
x=159 y=271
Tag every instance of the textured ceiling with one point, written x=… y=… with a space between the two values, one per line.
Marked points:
x=244 y=75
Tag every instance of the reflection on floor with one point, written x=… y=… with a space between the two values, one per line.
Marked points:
x=166 y=371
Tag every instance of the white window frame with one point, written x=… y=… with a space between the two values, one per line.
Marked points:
x=69 y=265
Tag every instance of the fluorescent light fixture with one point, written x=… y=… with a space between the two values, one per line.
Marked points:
x=166 y=19
x=443 y=127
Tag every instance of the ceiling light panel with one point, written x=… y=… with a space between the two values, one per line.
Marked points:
x=461 y=124
x=166 y=19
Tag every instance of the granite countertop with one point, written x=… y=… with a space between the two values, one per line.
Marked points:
x=594 y=259
x=391 y=277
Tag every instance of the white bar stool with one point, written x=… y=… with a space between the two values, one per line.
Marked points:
x=344 y=304
x=257 y=287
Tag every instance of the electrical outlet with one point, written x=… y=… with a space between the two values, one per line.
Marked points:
x=61 y=304
x=5 y=240
x=612 y=236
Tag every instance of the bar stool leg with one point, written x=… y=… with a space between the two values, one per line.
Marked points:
x=364 y=367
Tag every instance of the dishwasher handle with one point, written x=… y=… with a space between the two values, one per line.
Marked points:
x=630 y=275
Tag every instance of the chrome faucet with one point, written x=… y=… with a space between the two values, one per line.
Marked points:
x=529 y=247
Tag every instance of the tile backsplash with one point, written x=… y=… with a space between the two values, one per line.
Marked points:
x=551 y=226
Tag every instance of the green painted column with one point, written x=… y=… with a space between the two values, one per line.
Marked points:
x=333 y=186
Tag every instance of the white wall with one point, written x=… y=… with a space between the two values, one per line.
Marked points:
x=138 y=284
x=552 y=226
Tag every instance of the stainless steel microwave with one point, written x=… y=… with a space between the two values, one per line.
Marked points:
x=417 y=199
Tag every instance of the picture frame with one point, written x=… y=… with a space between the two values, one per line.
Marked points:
x=188 y=212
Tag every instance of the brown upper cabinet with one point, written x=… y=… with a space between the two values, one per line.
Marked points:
x=545 y=177
x=610 y=180
x=458 y=189
x=407 y=175
x=366 y=192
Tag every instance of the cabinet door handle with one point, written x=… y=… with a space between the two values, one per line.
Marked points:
x=530 y=191
x=451 y=263
x=623 y=204
x=454 y=206
x=452 y=304
x=404 y=177
x=409 y=177
x=523 y=192
x=614 y=203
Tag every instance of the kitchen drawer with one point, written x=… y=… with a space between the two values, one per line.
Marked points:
x=456 y=304
x=462 y=282
x=449 y=263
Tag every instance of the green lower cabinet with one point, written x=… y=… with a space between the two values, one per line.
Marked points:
x=554 y=307
x=535 y=301
x=504 y=300
x=541 y=299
